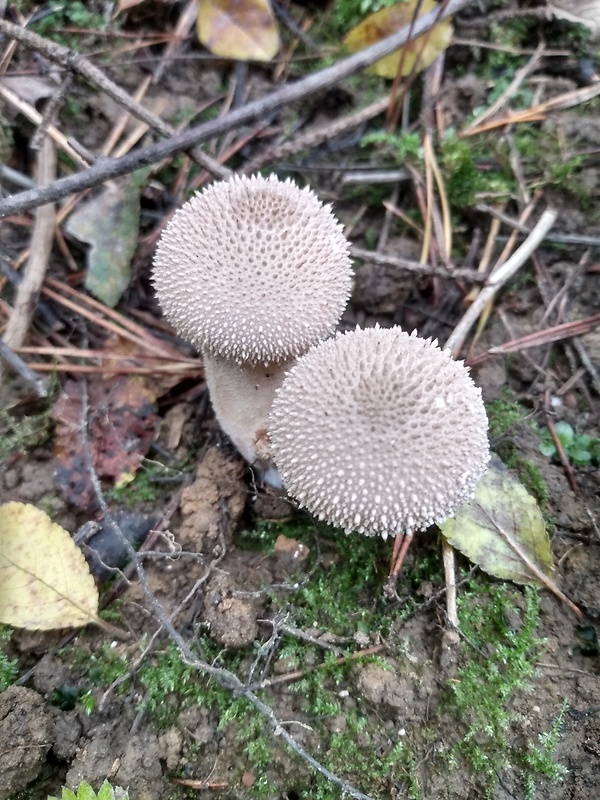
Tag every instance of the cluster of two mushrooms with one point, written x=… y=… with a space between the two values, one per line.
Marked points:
x=375 y=430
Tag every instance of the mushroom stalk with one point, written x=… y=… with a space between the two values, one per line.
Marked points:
x=241 y=397
x=253 y=272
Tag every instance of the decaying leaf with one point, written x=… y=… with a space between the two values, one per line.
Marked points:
x=500 y=521
x=121 y=424
x=109 y=223
x=244 y=30
x=45 y=582
x=414 y=56
x=585 y=12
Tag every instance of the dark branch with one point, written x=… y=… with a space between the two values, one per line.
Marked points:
x=105 y=169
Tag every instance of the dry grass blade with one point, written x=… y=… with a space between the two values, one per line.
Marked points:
x=540 y=112
x=52 y=131
x=258 y=109
x=124 y=327
x=555 y=334
x=509 y=92
x=497 y=280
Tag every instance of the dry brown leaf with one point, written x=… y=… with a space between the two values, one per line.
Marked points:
x=121 y=425
x=45 y=582
x=415 y=55
x=244 y=30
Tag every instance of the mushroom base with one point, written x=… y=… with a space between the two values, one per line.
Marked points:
x=241 y=396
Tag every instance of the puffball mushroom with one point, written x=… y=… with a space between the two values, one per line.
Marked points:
x=252 y=271
x=380 y=432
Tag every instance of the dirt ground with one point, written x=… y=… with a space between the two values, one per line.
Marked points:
x=367 y=685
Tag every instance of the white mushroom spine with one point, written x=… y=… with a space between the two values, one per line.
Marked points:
x=253 y=272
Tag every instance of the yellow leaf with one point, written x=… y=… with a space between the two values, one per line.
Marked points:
x=45 y=582
x=239 y=29
x=415 y=55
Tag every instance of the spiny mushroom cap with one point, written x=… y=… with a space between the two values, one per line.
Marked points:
x=380 y=432
x=253 y=269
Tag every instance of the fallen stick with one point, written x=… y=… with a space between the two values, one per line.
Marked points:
x=105 y=169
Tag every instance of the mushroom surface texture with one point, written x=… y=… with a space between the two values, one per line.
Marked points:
x=253 y=269
x=380 y=432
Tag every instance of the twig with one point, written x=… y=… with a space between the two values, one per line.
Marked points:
x=316 y=136
x=71 y=60
x=499 y=278
x=24 y=370
x=50 y=109
x=509 y=92
x=105 y=169
x=560 y=450
x=34 y=116
x=41 y=245
x=223 y=676
x=185 y=23
x=298 y=674
x=449 y=561
x=382 y=259
x=555 y=334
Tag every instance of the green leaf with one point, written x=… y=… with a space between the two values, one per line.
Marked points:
x=85 y=792
x=582 y=441
x=565 y=433
x=548 y=449
x=579 y=456
x=499 y=524
x=106 y=792
x=109 y=223
x=67 y=794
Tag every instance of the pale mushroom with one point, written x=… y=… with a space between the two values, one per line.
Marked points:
x=252 y=271
x=380 y=432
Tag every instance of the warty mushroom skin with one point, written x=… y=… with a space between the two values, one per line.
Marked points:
x=380 y=432
x=252 y=271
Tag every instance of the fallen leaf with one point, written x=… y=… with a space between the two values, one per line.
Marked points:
x=121 y=424
x=29 y=87
x=109 y=223
x=45 y=582
x=243 y=30
x=501 y=521
x=585 y=12
x=414 y=56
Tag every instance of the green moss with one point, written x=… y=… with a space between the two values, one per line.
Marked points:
x=504 y=415
x=149 y=483
x=8 y=667
x=500 y=654
x=396 y=147
x=74 y=14
x=343 y=593
x=355 y=755
x=99 y=668
x=18 y=435
x=504 y=418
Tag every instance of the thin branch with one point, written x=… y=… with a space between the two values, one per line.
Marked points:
x=497 y=280
x=39 y=253
x=223 y=676
x=104 y=169
x=75 y=62
x=382 y=259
